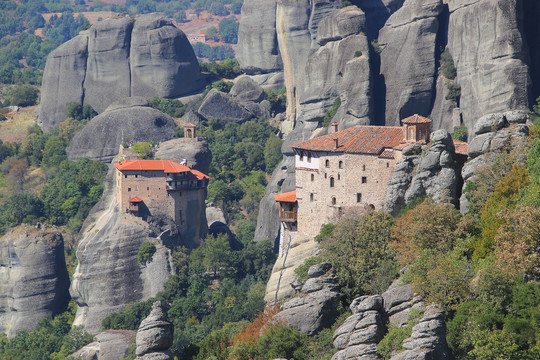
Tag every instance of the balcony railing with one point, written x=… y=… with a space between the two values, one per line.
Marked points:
x=177 y=185
x=287 y=216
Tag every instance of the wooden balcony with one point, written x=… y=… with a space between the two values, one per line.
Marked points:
x=287 y=216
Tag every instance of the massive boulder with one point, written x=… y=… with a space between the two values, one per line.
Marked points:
x=316 y=306
x=127 y=120
x=408 y=43
x=485 y=40
x=223 y=108
x=107 y=345
x=114 y=59
x=108 y=275
x=33 y=278
x=155 y=336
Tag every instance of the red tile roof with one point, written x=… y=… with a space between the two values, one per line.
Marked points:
x=461 y=147
x=135 y=199
x=286 y=197
x=415 y=119
x=167 y=166
x=358 y=139
x=387 y=154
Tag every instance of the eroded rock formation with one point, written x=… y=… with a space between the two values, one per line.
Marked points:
x=155 y=336
x=107 y=345
x=316 y=306
x=117 y=58
x=126 y=120
x=33 y=278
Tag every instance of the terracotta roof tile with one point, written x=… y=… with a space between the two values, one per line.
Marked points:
x=415 y=119
x=387 y=154
x=461 y=147
x=135 y=199
x=358 y=139
x=286 y=197
x=167 y=166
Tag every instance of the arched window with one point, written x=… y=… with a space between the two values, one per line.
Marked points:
x=308 y=157
x=301 y=155
x=341 y=164
x=338 y=176
x=312 y=177
x=333 y=200
x=327 y=163
x=358 y=197
x=332 y=181
x=363 y=167
x=311 y=197
x=387 y=164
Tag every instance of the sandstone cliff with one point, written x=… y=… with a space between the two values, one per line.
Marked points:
x=117 y=58
x=33 y=278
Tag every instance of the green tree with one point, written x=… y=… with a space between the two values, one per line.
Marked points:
x=24 y=95
x=360 y=250
x=228 y=30
x=146 y=252
x=143 y=149
x=272 y=153
x=212 y=33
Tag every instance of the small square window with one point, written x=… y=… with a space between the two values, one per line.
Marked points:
x=358 y=197
x=129 y=189
x=311 y=197
x=136 y=176
x=147 y=188
x=312 y=177
x=364 y=180
x=125 y=176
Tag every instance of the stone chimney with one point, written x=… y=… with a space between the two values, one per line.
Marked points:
x=336 y=140
x=334 y=127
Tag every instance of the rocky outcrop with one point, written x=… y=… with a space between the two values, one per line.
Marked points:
x=222 y=107
x=493 y=134
x=433 y=173
x=107 y=345
x=316 y=305
x=488 y=48
x=155 y=336
x=359 y=335
x=428 y=338
x=251 y=95
x=33 y=278
x=114 y=59
x=127 y=120
x=108 y=275
x=357 y=338
x=408 y=43
x=197 y=153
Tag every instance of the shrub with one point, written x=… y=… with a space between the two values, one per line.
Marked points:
x=24 y=95
x=357 y=53
x=301 y=272
x=460 y=133
x=393 y=341
x=146 y=252
x=447 y=65
x=143 y=149
x=332 y=112
x=376 y=47
x=454 y=91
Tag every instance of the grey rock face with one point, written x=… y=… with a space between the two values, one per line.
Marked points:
x=316 y=307
x=118 y=58
x=408 y=43
x=108 y=345
x=155 y=335
x=257 y=49
x=505 y=132
x=108 y=69
x=108 y=275
x=357 y=338
x=340 y=24
x=434 y=173
x=488 y=53
x=101 y=138
x=33 y=278
x=427 y=340
x=163 y=63
x=246 y=89
x=63 y=81
x=197 y=153
x=221 y=107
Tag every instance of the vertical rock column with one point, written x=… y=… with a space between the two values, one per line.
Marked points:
x=155 y=336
